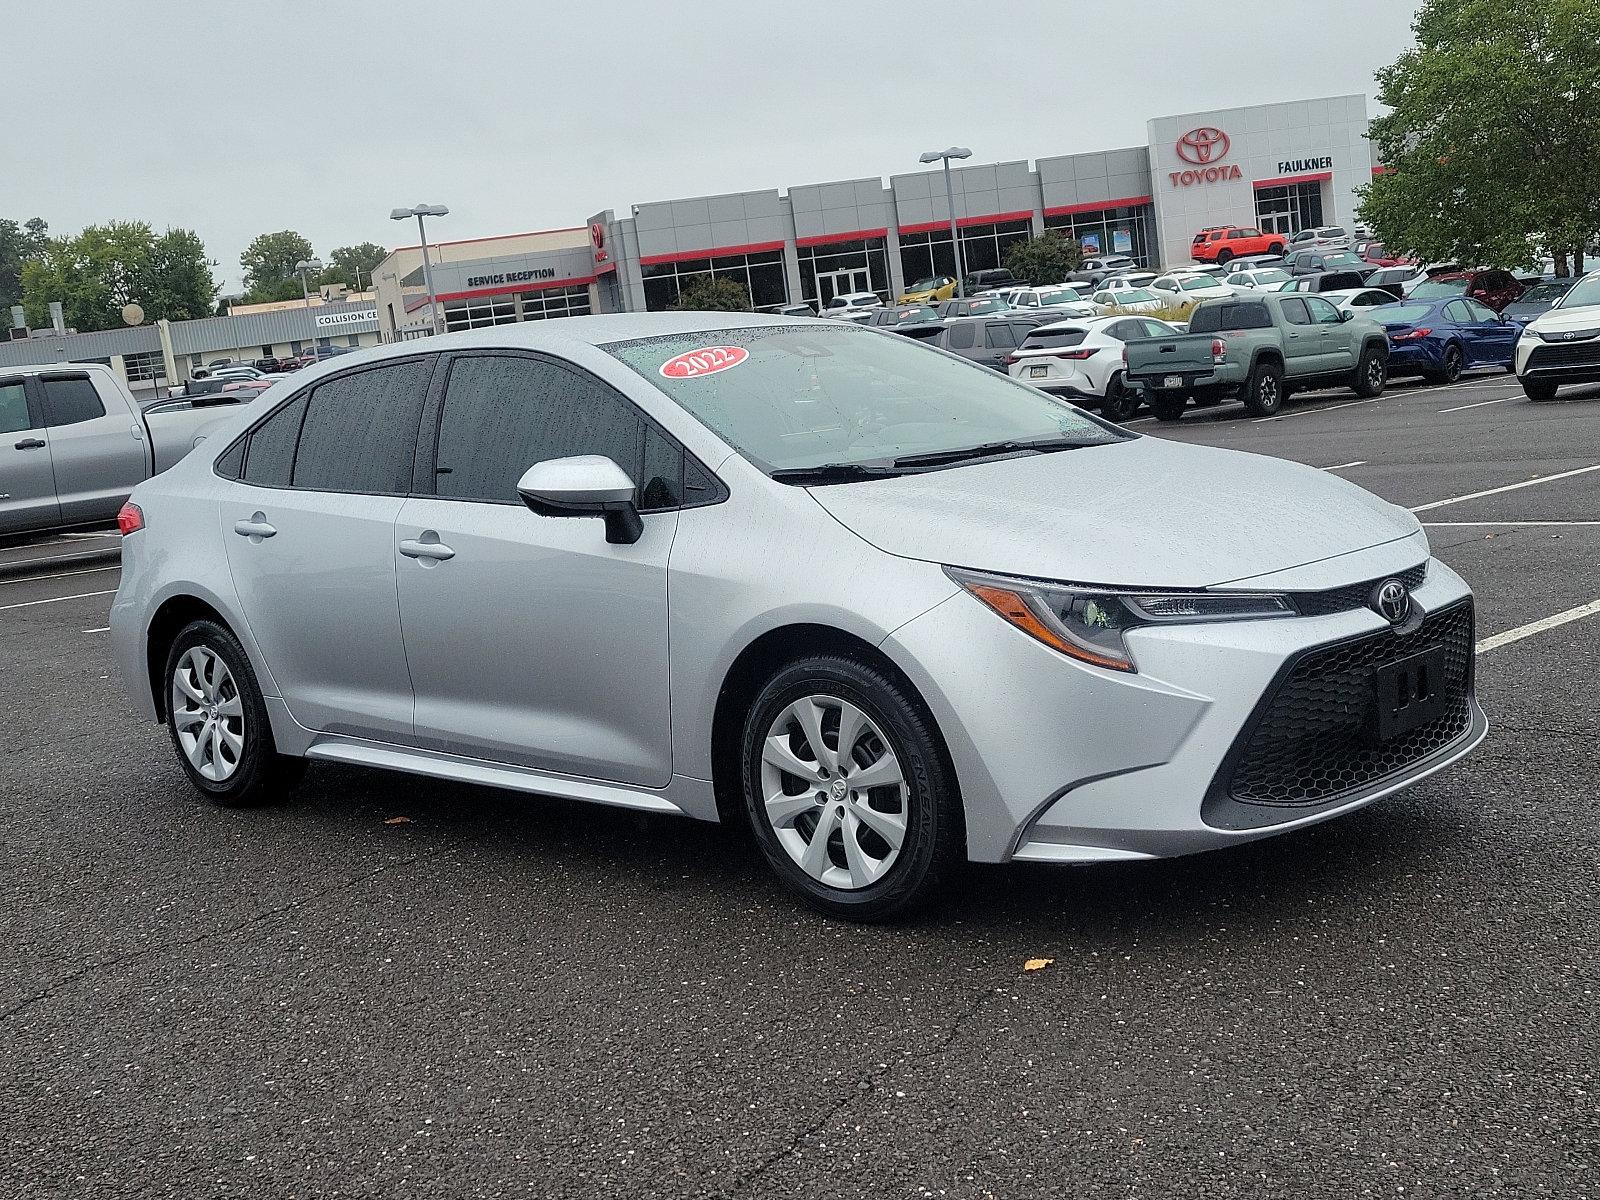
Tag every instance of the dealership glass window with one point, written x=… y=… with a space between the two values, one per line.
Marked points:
x=983 y=247
x=1289 y=209
x=761 y=276
x=555 y=302
x=832 y=260
x=1128 y=230
x=143 y=366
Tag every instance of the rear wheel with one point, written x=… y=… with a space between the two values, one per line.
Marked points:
x=1372 y=373
x=1224 y=256
x=847 y=790
x=1263 y=391
x=1168 y=406
x=218 y=721
x=1539 y=389
x=1450 y=372
x=1121 y=401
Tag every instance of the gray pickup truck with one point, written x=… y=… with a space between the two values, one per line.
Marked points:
x=1259 y=348
x=73 y=442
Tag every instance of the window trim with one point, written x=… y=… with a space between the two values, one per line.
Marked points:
x=427 y=460
x=31 y=398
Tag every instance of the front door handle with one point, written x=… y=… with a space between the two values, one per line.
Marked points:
x=255 y=528
x=31 y=444
x=433 y=550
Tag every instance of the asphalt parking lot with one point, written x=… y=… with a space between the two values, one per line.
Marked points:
x=398 y=987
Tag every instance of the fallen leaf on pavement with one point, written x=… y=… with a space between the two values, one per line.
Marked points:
x=398 y=821
x=1037 y=964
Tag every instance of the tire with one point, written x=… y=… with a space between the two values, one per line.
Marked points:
x=1275 y=248
x=1539 y=389
x=1263 y=391
x=1451 y=371
x=210 y=686
x=879 y=881
x=1372 y=374
x=1168 y=406
x=1224 y=257
x=1121 y=401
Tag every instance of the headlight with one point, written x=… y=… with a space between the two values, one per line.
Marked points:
x=1088 y=624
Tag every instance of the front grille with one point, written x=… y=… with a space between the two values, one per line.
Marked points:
x=1577 y=354
x=1311 y=741
x=1355 y=595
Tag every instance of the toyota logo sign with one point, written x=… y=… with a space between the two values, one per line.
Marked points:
x=597 y=235
x=1203 y=146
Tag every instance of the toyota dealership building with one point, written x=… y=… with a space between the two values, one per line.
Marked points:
x=1280 y=167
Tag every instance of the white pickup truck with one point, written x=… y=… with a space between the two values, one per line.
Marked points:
x=74 y=442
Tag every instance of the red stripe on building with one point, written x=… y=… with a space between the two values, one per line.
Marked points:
x=824 y=239
x=650 y=260
x=1286 y=180
x=1380 y=170
x=508 y=289
x=1063 y=210
x=1025 y=214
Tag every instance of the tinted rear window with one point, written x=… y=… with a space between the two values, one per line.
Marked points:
x=360 y=432
x=1213 y=318
x=1050 y=339
x=71 y=401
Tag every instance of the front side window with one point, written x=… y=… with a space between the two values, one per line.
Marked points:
x=14 y=407
x=1481 y=312
x=1321 y=311
x=1456 y=311
x=360 y=430
x=999 y=337
x=799 y=398
x=71 y=400
x=504 y=413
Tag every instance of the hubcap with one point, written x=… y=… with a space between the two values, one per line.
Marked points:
x=834 y=792
x=1269 y=391
x=1375 y=372
x=207 y=714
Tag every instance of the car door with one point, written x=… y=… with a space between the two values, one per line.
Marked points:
x=1302 y=338
x=97 y=447
x=309 y=530
x=532 y=640
x=1337 y=346
x=27 y=483
x=1496 y=336
x=999 y=340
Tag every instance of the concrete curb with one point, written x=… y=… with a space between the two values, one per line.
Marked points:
x=23 y=568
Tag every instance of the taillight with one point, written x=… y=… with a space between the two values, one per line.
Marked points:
x=130 y=518
x=1219 y=349
x=1075 y=355
x=1410 y=337
x=1009 y=359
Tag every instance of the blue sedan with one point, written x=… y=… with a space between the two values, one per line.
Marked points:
x=1439 y=339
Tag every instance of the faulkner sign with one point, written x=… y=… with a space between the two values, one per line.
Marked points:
x=1299 y=166
x=477 y=281
x=1203 y=149
x=355 y=316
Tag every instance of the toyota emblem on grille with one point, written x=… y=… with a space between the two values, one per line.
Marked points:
x=1391 y=601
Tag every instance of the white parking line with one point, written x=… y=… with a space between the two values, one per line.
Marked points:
x=1533 y=627
x=57 y=599
x=59 y=575
x=1479 y=404
x=99 y=629
x=1511 y=524
x=47 y=558
x=1360 y=462
x=1306 y=412
x=1510 y=487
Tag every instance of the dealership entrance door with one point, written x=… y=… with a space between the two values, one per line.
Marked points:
x=1289 y=208
x=840 y=283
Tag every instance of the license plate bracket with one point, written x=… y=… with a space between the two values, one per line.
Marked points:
x=1409 y=693
x=1038 y=372
x=1172 y=381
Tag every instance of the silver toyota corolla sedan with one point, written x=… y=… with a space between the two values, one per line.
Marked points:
x=890 y=609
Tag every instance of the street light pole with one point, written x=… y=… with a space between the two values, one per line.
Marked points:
x=419 y=211
x=950 y=201
x=310 y=264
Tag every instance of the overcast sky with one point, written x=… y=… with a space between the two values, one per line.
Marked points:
x=235 y=118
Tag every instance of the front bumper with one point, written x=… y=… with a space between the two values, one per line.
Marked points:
x=1577 y=361
x=1063 y=762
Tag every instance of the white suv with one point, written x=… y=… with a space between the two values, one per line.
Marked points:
x=1082 y=360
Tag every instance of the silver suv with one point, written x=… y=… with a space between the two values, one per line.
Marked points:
x=889 y=609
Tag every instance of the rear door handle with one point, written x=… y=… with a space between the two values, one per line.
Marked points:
x=255 y=528
x=434 y=550
x=31 y=444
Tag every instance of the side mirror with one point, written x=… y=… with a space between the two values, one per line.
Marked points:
x=585 y=485
x=1346 y=314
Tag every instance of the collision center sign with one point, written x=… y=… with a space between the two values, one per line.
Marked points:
x=354 y=316
x=1204 y=149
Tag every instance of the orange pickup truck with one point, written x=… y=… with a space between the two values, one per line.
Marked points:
x=1227 y=242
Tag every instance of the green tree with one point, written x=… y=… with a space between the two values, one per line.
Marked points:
x=1493 y=134
x=353 y=265
x=18 y=243
x=710 y=294
x=1046 y=259
x=269 y=263
x=97 y=271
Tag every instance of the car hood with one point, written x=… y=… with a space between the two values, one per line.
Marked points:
x=1563 y=319
x=1140 y=513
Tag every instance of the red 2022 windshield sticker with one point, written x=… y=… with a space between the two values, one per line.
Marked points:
x=706 y=361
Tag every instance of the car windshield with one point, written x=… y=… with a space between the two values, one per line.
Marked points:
x=927 y=285
x=1060 y=296
x=1436 y=288
x=1344 y=259
x=1585 y=292
x=1272 y=275
x=1196 y=283
x=920 y=312
x=1133 y=296
x=1401 y=314
x=1544 y=293
x=989 y=304
x=791 y=397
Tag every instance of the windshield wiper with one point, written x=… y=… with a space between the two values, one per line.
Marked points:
x=934 y=458
x=833 y=473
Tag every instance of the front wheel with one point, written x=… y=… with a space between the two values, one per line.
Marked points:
x=847 y=790
x=1121 y=401
x=1275 y=248
x=1168 y=406
x=1538 y=389
x=1263 y=391
x=218 y=721
x=1372 y=374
